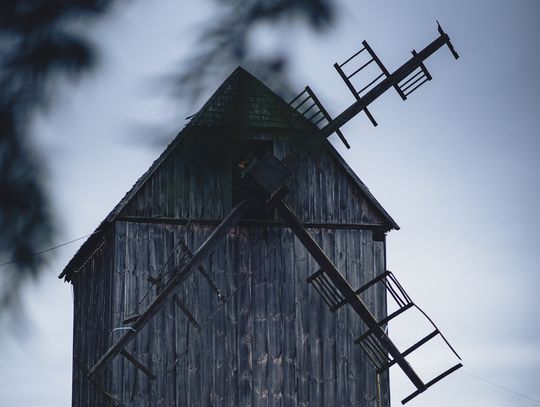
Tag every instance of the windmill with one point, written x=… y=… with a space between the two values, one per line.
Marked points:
x=263 y=185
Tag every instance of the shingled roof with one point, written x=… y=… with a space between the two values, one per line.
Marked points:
x=241 y=101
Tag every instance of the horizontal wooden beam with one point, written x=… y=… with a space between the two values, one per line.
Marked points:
x=253 y=223
x=432 y=382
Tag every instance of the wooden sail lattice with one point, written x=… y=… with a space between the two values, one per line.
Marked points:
x=403 y=301
x=264 y=185
x=348 y=77
x=309 y=106
x=416 y=79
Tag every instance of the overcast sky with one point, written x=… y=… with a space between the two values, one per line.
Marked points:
x=457 y=165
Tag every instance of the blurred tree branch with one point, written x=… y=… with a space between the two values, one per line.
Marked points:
x=224 y=44
x=40 y=42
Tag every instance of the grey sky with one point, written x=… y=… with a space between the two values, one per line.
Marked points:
x=457 y=165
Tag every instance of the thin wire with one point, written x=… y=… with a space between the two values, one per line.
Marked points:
x=46 y=250
x=500 y=386
x=68 y=242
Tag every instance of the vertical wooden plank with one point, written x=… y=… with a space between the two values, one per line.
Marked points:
x=226 y=279
x=195 y=350
x=343 y=336
x=118 y=300
x=364 y=274
x=84 y=357
x=260 y=339
x=153 y=204
x=328 y=196
x=328 y=332
x=336 y=210
x=302 y=188
x=316 y=304
x=76 y=371
x=160 y=250
x=274 y=318
x=211 y=339
x=186 y=185
x=108 y=278
x=308 y=194
x=92 y=322
x=142 y=390
x=103 y=323
x=221 y=330
x=130 y=308
x=90 y=330
x=180 y=185
x=191 y=357
x=159 y=246
x=287 y=278
x=212 y=332
x=182 y=334
x=379 y=268
x=303 y=310
x=245 y=320
x=352 y=253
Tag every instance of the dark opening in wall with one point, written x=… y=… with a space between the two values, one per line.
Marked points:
x=241 y=149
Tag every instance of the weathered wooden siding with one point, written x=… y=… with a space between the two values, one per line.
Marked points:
x=92 y=298
x=273 y=342
x=195 y=181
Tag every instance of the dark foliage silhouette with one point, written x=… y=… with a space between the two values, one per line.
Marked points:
x=42 y=43
x=225 y=43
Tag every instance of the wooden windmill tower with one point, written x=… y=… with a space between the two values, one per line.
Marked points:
x=246 y=267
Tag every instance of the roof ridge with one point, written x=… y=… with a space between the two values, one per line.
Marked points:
x=293 y=119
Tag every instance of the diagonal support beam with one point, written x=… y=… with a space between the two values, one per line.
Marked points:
x=205 y=274
x=186 y=311
x=99 y=387
x=292 y=220
x=137 y=364
x=206 y=248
